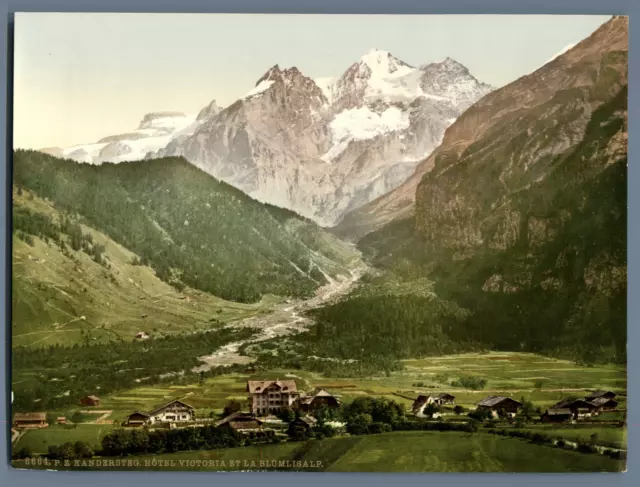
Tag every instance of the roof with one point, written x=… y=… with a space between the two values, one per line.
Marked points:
x=598 y=394
x=258 y=386
x=495 y=400
x=308 y=420
x=445 y=394
x=601 y=401
x=245 y=425
x=558 y=411
x=238 y=417
x=93 y=398
x=580 y=403
x=314 y=394
x=146 y=415
x=30 y=417
x=166 y=405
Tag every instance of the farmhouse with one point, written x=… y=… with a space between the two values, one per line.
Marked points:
x=172 y=412
x=306 y=422
x=30 y=420
x=500 y=406
x=137 y=419
x=421 y=402
x=317 y=399
x=556 y=415
x=61 y=420
x=241 y=423
x=446 y=398
x=604 y=404
x=271 y=396
x=600 y=394
x=579 y=407
x=90 y=401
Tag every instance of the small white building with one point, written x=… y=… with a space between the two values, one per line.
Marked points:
x=271 y=396
x=172 y=412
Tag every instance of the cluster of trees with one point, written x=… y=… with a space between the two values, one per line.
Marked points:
x=28 y=224
x=112 y=366
x=470 y=382
x=70 y=451
x=192 y=229
x=138 y=441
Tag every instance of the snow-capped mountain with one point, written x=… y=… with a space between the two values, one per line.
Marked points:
x=320 y=147
x=155 y=131
x=326 y=146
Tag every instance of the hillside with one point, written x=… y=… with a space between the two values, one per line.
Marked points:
x=65 y=296
x=190 y=228
x=522 y=217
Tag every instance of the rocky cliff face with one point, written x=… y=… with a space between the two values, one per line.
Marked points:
x=521 y=211
x=510 y=135
x=324 y=147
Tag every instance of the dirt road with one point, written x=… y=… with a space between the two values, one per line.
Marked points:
x=286 y=319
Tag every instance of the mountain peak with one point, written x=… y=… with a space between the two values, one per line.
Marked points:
x=381 y=62
x=211 y=109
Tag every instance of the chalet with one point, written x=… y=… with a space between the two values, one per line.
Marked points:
x=446 y=398
x=600 y=394
x=30 y=420
x=61 y=420
x=137 y=419
x=271 y=396
x=317 y=399
x=307 y=422
x=422 y=402
x=172 y=412
x=500 y=406
x=579 y=407
x=90 y=401
x=557 y=415
x=241 y=423
x=604 y=404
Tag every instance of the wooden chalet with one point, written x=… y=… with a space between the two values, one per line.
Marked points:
x=319 y=398
x=242 y=423
x=307 y=422
x=421 y=403
x=558 y=415
x=446 y=398
x=599 y=395
x=61 y=420
x=604 y=404
x=30 y=420
x=90 y=401
x=579 y=407
x=500 y=405
x=137 y=419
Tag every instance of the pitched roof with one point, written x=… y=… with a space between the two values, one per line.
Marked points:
x=598 y=394
x=308 y=420
x=93 y=398
x=316 y=393
x=238 y=417
x=601 y=401
x=166 y=405
x=576 y=403
x=495 y=400
x=245 y=425
x=257 y=386
x=140 y=413
x=30 y=416
x=446 y=394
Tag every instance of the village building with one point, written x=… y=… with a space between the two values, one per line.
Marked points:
x=600 y=394
x=90 y=401
x=558 y=415
x=242 y=423
x=579 y=407
x=500 y=405
x=271 y=396
x=137 y=419
x=446 y=398
x=319 y=398
x=61 y=420
x=422 y=401
x=30 y=420
x=604 y=404
x=172 y=412
x=307 y=422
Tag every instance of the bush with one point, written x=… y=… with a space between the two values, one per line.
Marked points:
x=470 y=382
x=586 y=448
x=458 y=409
x=480 y=414
x=24 y=452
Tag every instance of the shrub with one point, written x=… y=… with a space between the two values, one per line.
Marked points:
x=458 y=409
x=586 y=448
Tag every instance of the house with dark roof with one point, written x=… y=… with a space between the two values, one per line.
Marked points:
x=90 y=401
x=30 y=420
x=174 y=411
x=241 y=423
x=307 y=422
x=600 y=394
x=500 y=405
x=317 y=399
x=557 y=415
x=579 y=407
x=271 y=396
x=604 y=403
x=446 y=398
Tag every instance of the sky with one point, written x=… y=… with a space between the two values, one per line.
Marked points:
x=79 y=77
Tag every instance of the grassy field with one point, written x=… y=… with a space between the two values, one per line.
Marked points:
x=62 y=300
x=394 y=452
x=38 y=440
x=605 y=435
